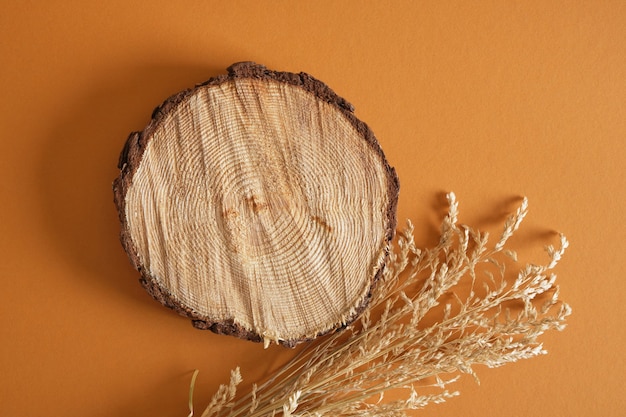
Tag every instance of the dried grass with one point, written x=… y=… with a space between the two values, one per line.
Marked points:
x=436 y=314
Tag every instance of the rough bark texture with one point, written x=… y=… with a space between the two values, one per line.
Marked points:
x=226 y=210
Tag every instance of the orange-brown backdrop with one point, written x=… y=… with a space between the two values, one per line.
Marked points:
x=490 y=99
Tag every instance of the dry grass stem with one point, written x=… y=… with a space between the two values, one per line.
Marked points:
x=436 y=314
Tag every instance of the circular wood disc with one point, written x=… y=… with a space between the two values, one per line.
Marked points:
x=258 y=205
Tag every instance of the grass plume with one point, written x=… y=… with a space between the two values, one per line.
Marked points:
x=435 y=314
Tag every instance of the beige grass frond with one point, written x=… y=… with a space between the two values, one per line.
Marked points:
x=436 y=314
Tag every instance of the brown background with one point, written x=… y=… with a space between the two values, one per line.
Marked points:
x=492 y=100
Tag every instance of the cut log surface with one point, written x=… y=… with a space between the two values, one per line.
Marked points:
x=258 y=205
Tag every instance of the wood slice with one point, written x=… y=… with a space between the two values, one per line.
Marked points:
x=258 y=205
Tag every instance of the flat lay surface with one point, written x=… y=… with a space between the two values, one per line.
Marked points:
x=491 y=100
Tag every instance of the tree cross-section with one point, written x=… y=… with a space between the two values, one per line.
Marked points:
x=258 y=205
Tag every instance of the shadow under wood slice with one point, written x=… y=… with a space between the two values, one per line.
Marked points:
x=258 y=205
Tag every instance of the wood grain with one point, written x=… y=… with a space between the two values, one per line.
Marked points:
x=258 y=205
